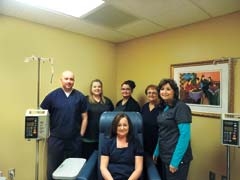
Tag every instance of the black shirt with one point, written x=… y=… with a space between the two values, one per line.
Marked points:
x=131 y=105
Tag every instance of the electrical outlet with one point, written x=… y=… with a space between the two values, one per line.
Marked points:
x=224 y=178
x=212 y=175
x=11 y=173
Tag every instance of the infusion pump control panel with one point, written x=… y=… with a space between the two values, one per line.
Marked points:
x=36 y=124
x=230 y=130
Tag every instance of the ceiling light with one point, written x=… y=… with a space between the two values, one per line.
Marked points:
x=75 y=8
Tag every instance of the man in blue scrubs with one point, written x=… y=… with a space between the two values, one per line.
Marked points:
x=68 y=121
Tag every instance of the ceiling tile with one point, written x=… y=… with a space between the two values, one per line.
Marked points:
x=122 y=20
x=169 y=14
x=99 y=32
x=110 y=16
x=218 y=7
x=182 y=14
x=140 y=28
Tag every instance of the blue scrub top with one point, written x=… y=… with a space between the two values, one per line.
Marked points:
x=168 y=131
x=65 y=112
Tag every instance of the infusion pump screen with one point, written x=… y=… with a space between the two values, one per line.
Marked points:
x=31 y=127
x=230 y=132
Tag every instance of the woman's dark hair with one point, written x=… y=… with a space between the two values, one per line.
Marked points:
x=173 y=85
x=131 y=84
x=115 y=123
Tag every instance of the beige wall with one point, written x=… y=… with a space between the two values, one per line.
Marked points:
x=87 y=57
x=145 y=60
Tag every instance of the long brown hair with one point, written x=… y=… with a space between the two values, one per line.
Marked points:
x=115 y=122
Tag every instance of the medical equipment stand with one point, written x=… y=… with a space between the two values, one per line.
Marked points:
x=230 y=131
x=228 y=163
x=38 y=106
x=38 y=59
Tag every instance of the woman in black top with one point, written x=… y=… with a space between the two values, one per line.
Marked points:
x=149 y=114
x=97 y=104
x=127 y=103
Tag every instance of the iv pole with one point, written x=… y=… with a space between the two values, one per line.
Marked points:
x=38 y=106
x=38 y=59
x=228 y=162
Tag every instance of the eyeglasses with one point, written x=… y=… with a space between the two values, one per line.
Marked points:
x=125 y=89
x=150 y=92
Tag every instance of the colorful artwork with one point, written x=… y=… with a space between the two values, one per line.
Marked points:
x=205 y=86
x=200 y=88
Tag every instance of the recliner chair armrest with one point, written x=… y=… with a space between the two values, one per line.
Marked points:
x=152 y=172
x=89 y=170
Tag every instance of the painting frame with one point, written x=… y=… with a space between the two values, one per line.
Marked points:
x=225 y=69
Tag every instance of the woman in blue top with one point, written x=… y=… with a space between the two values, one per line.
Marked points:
x=122 y=153
x=174 y=121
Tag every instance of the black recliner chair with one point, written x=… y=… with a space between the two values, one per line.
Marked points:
x=91 y=171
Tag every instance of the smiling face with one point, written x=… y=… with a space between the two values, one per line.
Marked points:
x=96 y=88
x=122 y=127
x=67 y=81
x=126 y=91
x=167 y=93
x=152 y=95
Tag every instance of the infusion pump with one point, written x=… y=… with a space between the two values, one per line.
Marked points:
x=36 y=124
x=230 y=130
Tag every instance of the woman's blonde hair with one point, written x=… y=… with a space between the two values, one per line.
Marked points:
x=102 y=98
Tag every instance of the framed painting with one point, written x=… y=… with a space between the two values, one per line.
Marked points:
x=205 y=86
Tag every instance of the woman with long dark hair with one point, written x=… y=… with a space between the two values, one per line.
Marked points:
x=174 y=123
x=122 y=153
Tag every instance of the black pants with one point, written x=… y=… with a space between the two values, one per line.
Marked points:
x=180 y=174
x=59 y=150
x=88 y=148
